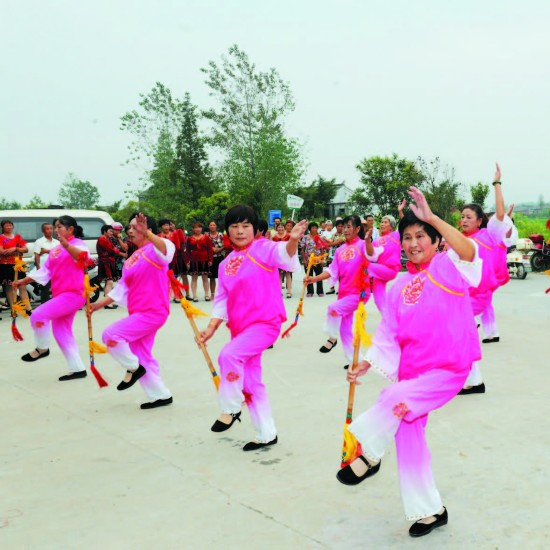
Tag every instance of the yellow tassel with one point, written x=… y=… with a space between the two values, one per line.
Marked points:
x=20 y=265
x=300 y=308
x=319 y=259
x=20 y=308
x=94 y=347
x=88 y=289
x=350 y=449
x=190 y=309
x=547 y=272
x=359 y=331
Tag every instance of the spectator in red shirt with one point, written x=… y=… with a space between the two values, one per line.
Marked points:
x=107 y=254
x=199 y=257
x=11 y=245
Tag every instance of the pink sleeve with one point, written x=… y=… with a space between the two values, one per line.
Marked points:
x=219 y=310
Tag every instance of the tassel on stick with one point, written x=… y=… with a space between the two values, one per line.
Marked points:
x=18 y=307
x=313 y=260
x=93 y=347
x=191 y=312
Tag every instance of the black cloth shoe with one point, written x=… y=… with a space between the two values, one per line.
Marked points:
x=220 y=426
x=29 y=358
x=136 y=375
x=346 y=367
x=157 y=403
x=331 y=291
x=474 y=389
x=421 y=529
x=491 y=340
x=253 y=446
x=347 y=475
x=73 y=375
x=325 y=349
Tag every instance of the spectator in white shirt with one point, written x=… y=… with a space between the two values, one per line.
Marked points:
x=370 y=225
x=42 y=247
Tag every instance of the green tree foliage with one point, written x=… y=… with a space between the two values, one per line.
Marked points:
x=385 y=181
x=210 y=208
x=36 y=202
x=158 y=113
x=317 y=195
x=76 y=193
x=479 y=193
x=261 y=164
x=5 y=204
x=443 y=193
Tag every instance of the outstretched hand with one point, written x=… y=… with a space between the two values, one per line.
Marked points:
x=510 y=210
x=421 y=209
x=497 y=173
x=141 y=224
x=298 y=230
x=401 y=206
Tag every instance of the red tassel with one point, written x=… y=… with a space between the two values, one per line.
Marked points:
x=100 y=380
x=177 y=287
x=84 y=261
x=17 y=336
x=286 y=332
x=547 y=291
x=548 y=224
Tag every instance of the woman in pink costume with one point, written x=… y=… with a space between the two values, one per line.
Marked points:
x=489 y=235
x=388 y=264
x=349 y=268
x=65 y=269
x=144 y=290
x=426 y=358
x=249 y=299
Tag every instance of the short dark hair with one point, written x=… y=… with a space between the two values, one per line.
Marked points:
x=197 y=224
x=44 y=225
x=151 y=222
x=4 y=222
x=410 y=219
x=241 y=213
x=310 y=225
x=291 y=222
x=369 y=216
x=478 y=210
x=163 y=221
x=263 y=227
x=105 y=228
x=356 y=222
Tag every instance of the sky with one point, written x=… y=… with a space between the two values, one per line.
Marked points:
x=466 y=81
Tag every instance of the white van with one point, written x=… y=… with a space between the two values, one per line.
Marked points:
x=28 y=223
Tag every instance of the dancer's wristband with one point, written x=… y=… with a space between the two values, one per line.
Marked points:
x=495 y=182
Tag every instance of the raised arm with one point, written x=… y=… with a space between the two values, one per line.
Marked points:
x=499 y=199
x=463 y=246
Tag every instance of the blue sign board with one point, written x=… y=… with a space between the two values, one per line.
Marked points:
x=272 y=215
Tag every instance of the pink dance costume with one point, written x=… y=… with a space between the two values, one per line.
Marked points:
x=67 y=284
x=488 y=240
x=427 y=359
x=144 y=290
x=249 y=299
x=348 y=268
x=386 y=267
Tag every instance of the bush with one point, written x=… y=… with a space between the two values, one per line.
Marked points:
x=527 y=226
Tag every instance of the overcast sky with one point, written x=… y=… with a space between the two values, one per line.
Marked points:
x=468 y=81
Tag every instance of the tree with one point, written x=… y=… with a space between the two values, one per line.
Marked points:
x=5 y=204
x=159 y=113
x=76 y=193
x=479 y=192
x=210 y=208
x=36 y=202
x=443 y=193
x=317 y=197
x=261 y=164
x=385 y=181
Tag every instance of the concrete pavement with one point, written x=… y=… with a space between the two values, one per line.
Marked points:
x=86 y=468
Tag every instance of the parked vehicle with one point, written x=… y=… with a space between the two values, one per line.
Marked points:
x=540 y=258
x=517 y=262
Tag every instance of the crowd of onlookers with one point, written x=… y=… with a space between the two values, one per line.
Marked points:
x=198 y=253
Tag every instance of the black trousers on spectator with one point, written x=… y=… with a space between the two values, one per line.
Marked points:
x=315 y=270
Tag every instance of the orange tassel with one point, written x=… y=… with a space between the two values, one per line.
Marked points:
x=287 y=331
x=100 y=380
